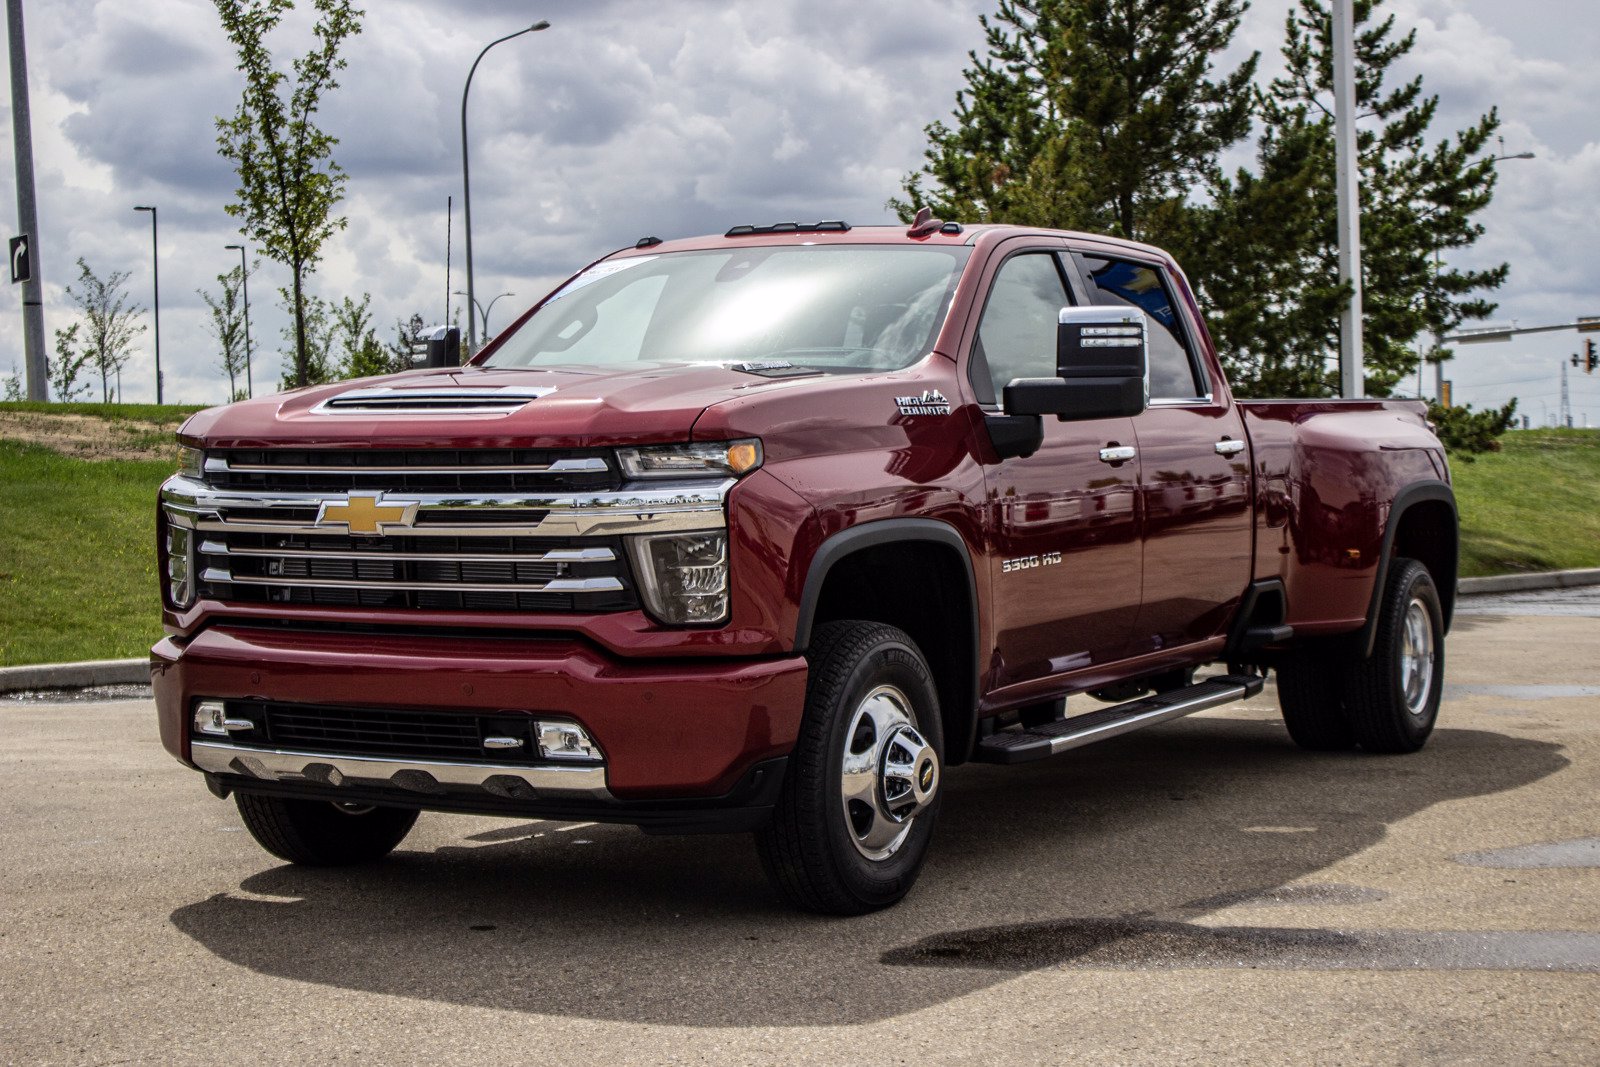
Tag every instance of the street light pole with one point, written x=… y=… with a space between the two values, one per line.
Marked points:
x=1347 y=184
x=155 y=271
x=466 y=178
x=27 y=210
x=244 y=278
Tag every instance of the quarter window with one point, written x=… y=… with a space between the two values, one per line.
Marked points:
x=1120 y=282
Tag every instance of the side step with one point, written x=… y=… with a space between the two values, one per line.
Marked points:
x=1010 y=746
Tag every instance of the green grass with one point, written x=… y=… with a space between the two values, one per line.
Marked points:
x=77 y=556
x=166 y=414
x=1533 y=506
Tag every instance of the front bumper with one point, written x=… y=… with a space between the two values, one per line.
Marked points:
x=677 y=737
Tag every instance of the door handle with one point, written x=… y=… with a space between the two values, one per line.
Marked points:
x=1229 y=447
x=1117 y=453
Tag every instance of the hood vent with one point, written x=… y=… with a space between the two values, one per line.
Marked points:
x=438 y=401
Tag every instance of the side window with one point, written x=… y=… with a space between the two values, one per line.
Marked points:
x=1118 y=281
x=1018 y=330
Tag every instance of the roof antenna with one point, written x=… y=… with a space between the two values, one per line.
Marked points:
x=924 y=223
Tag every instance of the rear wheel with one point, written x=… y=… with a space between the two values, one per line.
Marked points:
x=852 y=825
x=320 y=833
x=1393 y=695
x=1311 y=696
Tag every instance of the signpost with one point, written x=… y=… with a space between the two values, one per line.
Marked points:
x=21 y=261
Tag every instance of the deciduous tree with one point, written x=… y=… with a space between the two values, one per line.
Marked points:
x=289 y=185
x=110 y=321
x=226 y=325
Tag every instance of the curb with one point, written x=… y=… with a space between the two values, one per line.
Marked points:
x=1518 y=583
x=75 y=675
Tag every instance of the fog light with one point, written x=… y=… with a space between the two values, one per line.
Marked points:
x=566 y=741
x=211 y=719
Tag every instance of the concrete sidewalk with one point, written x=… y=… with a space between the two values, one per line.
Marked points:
x=137 y=671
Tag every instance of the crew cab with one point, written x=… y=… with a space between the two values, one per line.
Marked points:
x=767 y=531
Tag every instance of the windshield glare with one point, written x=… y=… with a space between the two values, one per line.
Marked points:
x=861 y=307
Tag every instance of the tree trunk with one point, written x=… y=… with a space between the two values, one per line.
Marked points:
x=302 y=367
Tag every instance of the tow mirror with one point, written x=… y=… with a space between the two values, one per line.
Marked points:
x=1102 y=368
x=443 y=348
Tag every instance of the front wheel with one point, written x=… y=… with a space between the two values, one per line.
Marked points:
x=321 y=833
x=852 y=825
x=1392 y=697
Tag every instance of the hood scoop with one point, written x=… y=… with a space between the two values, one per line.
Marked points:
x=430 y=401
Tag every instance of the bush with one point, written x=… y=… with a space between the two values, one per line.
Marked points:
x=1466 y=432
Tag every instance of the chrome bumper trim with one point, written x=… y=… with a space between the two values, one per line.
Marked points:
x=412 y=776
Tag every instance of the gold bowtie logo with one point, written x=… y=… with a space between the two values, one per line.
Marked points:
x=361 y=513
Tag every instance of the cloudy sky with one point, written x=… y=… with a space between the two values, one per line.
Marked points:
x=675 y=117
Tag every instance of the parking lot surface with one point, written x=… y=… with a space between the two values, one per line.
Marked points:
x=1195 y=892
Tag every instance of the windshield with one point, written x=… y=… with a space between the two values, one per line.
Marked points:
x=861 y=307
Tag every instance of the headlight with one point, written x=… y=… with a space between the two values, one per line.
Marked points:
x=180 y=566
x=191 y=462
x=684 y=577
x=725 y=459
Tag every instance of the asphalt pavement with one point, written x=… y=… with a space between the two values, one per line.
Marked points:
x=1197 y=892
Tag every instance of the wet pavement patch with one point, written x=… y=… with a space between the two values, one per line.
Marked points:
x=1327 y=893
x=1521 y=692
x=1578 y=852
x=1144 y=944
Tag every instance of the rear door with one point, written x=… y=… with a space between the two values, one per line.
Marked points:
x=1196 y=528
x=1065 y=565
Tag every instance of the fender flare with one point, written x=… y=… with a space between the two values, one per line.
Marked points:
x=876 y=534
x=1415 y=493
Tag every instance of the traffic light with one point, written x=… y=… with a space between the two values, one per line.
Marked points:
x=1591 y=360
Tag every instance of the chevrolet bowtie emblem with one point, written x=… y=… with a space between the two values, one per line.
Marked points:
x=362 y=513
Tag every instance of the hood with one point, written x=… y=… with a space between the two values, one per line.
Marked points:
x=466 y=407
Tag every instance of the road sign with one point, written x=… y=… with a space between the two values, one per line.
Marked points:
x=1589 y=323
x=22 y=262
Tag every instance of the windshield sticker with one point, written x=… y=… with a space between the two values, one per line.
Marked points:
x=931 y=402
x=597 y=272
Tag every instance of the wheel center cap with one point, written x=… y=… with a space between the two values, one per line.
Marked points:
x=908 y=773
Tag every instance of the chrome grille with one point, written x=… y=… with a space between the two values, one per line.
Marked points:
x=435 y=573
x=494 y=529
x=478 y=471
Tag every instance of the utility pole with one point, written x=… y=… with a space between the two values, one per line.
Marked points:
x=27 y=210
x=1352 y=373
x=1566 y=400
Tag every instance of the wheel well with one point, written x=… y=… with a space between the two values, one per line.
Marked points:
x=1427 y=534
x=923 y=588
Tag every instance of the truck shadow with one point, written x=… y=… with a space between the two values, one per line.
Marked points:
x=606 y=923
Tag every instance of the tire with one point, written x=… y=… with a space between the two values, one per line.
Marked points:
x=1393 y=696
x=843 y=844
x=320 y=833
x=1310 y=694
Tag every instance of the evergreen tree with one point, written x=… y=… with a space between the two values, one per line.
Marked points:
x=1272 y=280
x=1097 y=115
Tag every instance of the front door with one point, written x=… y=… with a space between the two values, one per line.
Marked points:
x=1065 y=572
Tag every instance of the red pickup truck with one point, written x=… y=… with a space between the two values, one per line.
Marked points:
x=765 y=532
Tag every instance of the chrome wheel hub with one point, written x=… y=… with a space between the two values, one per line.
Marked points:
x=889 y=773
x=1417 y=657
